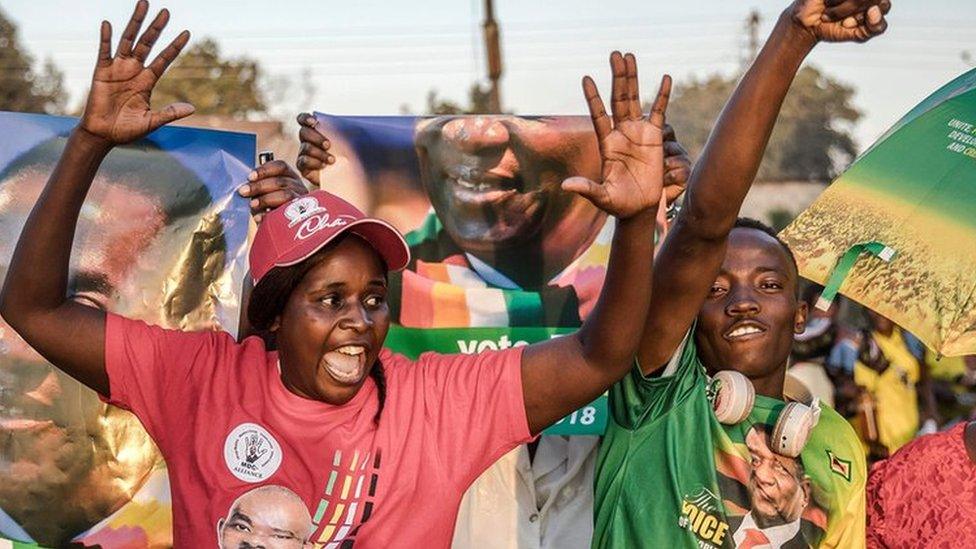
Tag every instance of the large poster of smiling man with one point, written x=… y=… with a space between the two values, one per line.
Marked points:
x=501 y=256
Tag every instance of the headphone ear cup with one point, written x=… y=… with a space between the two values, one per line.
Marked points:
x=733 y=398
x=793 y=428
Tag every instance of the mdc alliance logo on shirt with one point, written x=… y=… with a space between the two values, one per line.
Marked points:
x=251 y=453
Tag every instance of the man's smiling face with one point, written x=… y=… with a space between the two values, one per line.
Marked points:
x=751 y=314
x=269 y=517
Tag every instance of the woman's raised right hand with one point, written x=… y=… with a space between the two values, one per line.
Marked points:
x=118 y=105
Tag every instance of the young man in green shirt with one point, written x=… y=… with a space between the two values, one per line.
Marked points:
x=725 y=298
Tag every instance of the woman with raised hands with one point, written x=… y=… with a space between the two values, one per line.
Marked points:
x=331 y=439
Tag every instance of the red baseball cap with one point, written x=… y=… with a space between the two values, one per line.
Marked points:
x=292 y=232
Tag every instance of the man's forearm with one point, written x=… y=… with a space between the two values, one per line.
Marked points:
x=731 y=157
x=37 y=278
x=693 y=252
x=611 y=332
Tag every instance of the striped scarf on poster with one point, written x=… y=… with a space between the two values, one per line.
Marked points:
x=443 y=289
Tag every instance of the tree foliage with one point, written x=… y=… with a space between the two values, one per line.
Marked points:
x=477 y=102
x=211 y=83
x=812 y=140
x=21 y=88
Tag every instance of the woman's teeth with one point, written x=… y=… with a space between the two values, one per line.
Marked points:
x=352 y=350
x=346 y=364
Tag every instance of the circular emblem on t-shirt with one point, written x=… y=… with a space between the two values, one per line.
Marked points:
x=251 y=453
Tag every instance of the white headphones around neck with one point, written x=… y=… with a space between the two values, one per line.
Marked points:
x=732 y=396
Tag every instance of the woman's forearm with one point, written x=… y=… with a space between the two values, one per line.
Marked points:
x=560 y=375
x=610 y=334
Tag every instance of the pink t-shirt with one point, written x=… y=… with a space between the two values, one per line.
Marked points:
x=250 y=461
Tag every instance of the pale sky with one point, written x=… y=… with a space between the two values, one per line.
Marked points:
x=371 y=57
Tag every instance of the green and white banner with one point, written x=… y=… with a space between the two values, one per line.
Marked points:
x=412 y=342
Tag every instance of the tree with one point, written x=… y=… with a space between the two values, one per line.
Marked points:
x=812 y=140
x=477 y=102
x=49 y=85
x=212 y=84
x=21 y=89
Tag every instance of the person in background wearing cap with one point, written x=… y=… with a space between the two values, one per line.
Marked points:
x=379 y=448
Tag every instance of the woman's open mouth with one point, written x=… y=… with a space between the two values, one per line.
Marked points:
x=346 y=364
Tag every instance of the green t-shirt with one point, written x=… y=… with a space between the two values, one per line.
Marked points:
x=670 y=475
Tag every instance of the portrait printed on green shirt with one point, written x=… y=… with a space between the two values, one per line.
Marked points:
x=768 y=499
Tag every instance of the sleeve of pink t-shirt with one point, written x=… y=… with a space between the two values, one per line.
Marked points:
x=156 y=373
x=476 y=405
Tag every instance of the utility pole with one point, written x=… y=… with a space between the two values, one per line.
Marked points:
x=494 y=51
x=752 y=31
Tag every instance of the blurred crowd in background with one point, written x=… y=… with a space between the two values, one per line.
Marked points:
x=879 y=376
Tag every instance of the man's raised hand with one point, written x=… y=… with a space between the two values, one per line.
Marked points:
x=271 y=185
x=631 y=144
x=677 y=166
x=842 y=20
x=313 y=154
x=118 y=104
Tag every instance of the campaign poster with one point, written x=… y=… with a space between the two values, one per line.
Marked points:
x=162 y=237
x=501 y=256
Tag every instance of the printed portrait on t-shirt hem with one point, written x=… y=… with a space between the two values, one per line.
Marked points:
x=775 y=506
x=272 y=517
